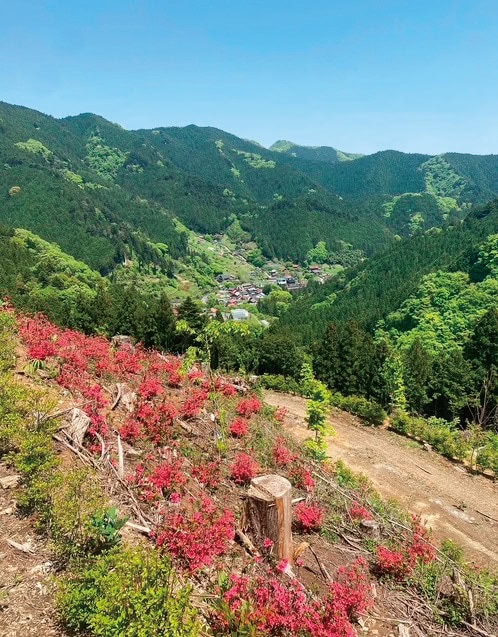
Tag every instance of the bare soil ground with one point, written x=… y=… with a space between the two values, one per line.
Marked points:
x=454 y=503
x=26 y=578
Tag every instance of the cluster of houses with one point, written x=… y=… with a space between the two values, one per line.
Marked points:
x=243 y=293
x=251 y=293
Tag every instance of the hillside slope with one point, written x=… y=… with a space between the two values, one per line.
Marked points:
x=120 y=191
x=380 y=285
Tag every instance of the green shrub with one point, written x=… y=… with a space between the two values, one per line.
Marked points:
x=130 y=592
x=277 y=382
x=36 y=461
x=401 y=422
x=367 y=410
x=77 y=517
x=487 y=455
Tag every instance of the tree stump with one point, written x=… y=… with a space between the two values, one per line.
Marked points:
x=268 y=513
x=78 y=426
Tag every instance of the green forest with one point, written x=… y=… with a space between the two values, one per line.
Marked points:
x=99 y=224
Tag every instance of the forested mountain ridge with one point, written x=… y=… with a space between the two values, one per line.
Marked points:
x=380 y=285
x=419 y=282
x=313 y=153
x=120 y=191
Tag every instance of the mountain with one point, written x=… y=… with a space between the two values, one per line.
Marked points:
x=368 y=293
x=313 y=153
x=108 y=196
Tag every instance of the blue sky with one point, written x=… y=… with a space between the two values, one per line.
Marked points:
x=361 y=75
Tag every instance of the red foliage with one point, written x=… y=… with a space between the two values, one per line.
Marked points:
x=167 y=475
x=309 y=516
x=127 y=360
x=400 y=563
x=244 y=469
x=265 y=605
x=149 y=388
x=420 y=548
x=281 y=454
x=196 y=376
x=249 y=406
x=151 y=421
x=359 y=512
x=208 y=474
x=349 y=596
x=227 y=389
x=195 y=402
x=392 y=563
x=280 y=414
x=132 y=430
x=239 y=427
x=301 y=478
x=197 y=537
x=163 y=479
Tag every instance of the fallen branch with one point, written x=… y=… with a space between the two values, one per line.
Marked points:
x=138 y=527
x=118 y=397
x=120 y=458
x=390 y=620
x=25 y=548
x=322 y=568
x=85 y=459
x=135 y=506
x=478 y=630
x=422 y=468
x=486 y=515
x=246 y=542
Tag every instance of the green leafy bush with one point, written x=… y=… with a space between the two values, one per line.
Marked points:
x=478 y=447
x=77 y=518
x=130 y=592
x=368 y=410
x=277 y=382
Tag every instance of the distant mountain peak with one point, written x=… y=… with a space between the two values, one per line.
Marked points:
x=312 y=153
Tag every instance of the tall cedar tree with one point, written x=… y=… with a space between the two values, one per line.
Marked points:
x=417 y=364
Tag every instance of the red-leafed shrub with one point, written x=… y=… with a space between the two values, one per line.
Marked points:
x=41 y=351
x=127 y=360
x=131 y=430
x=195 y=375
x=280 y=414
x=301 y=478
x=400 y=563
x=227 y=389
x=391 y=563
x=309 y=516
x=244 y=469
x=208 y=474
x=249 y=406
x=159 y=482
x=266 y=605
x=168 y=475
x=198 y=536
x=281 y=454
x=195 y=402
x=149 y=388
x=359 y=512
x=350 y=595
x=239 y=427
x=420 y=549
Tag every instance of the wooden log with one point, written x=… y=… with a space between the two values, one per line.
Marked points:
x=268 y=513
x=78 y=426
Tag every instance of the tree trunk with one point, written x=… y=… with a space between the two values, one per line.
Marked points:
x=269 y=514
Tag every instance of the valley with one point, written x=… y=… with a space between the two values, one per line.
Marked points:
x=204 y=308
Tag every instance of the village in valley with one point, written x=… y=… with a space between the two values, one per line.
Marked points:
x=233 y=293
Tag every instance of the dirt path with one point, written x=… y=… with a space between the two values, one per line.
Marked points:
x=27 y=607
x=449 y=499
